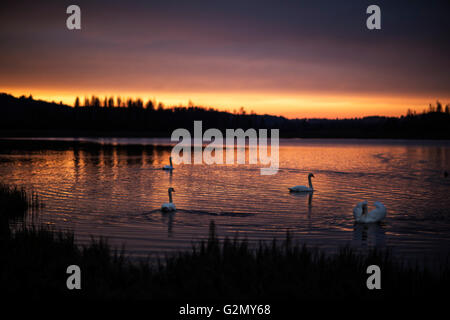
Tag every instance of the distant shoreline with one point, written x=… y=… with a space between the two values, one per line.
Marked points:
x=26 y=117
x=45 y=135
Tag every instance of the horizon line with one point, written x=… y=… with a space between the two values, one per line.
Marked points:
x=246 y=111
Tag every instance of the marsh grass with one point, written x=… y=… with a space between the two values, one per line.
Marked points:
x=33 y=264
x=14 y=202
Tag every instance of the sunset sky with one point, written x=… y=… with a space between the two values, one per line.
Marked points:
x=291 y=58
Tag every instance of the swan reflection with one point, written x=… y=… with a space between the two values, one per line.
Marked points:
x=168 y=218
x=369 y=235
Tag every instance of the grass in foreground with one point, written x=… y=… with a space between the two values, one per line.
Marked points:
x=14 y=202
x=33 y=263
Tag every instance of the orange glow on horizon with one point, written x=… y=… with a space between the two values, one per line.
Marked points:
x=301 y=105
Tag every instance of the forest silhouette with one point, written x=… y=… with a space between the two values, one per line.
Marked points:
x=25 y=116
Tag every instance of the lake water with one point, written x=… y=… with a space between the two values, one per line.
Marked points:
x=115 y=188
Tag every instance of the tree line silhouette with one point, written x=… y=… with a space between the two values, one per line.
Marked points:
x=25 y=116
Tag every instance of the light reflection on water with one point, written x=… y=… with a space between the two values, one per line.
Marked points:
x=115 y=189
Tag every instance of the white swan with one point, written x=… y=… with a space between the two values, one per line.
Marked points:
x=170 y=206
x=166 y=167
x=304 y=188
x=361 y=215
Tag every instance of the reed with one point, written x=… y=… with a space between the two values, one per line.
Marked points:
x=33 y=264
x=15 y=201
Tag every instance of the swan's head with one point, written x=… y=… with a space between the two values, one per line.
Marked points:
x=171 y=189
x=310 y=175
x=362 y=204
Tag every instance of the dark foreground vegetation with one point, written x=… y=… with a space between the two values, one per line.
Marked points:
x=33 y=264
x=14 y=202
x=25 y=116
x=34 y=260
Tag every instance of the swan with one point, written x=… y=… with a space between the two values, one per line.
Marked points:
x=361 y=215
x=170 y=206
x=166 y=167
x=304 y=188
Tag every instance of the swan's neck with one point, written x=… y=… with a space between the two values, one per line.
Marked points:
x=170 y=159
x=364 y=210
x=310 y=182
x=170 y=196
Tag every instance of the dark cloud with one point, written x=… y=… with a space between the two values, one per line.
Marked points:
x=229 y=45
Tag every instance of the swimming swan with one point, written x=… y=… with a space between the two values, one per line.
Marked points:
x=170 y=206
x=361 y=215
x=166 y=167
x=304 y=188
